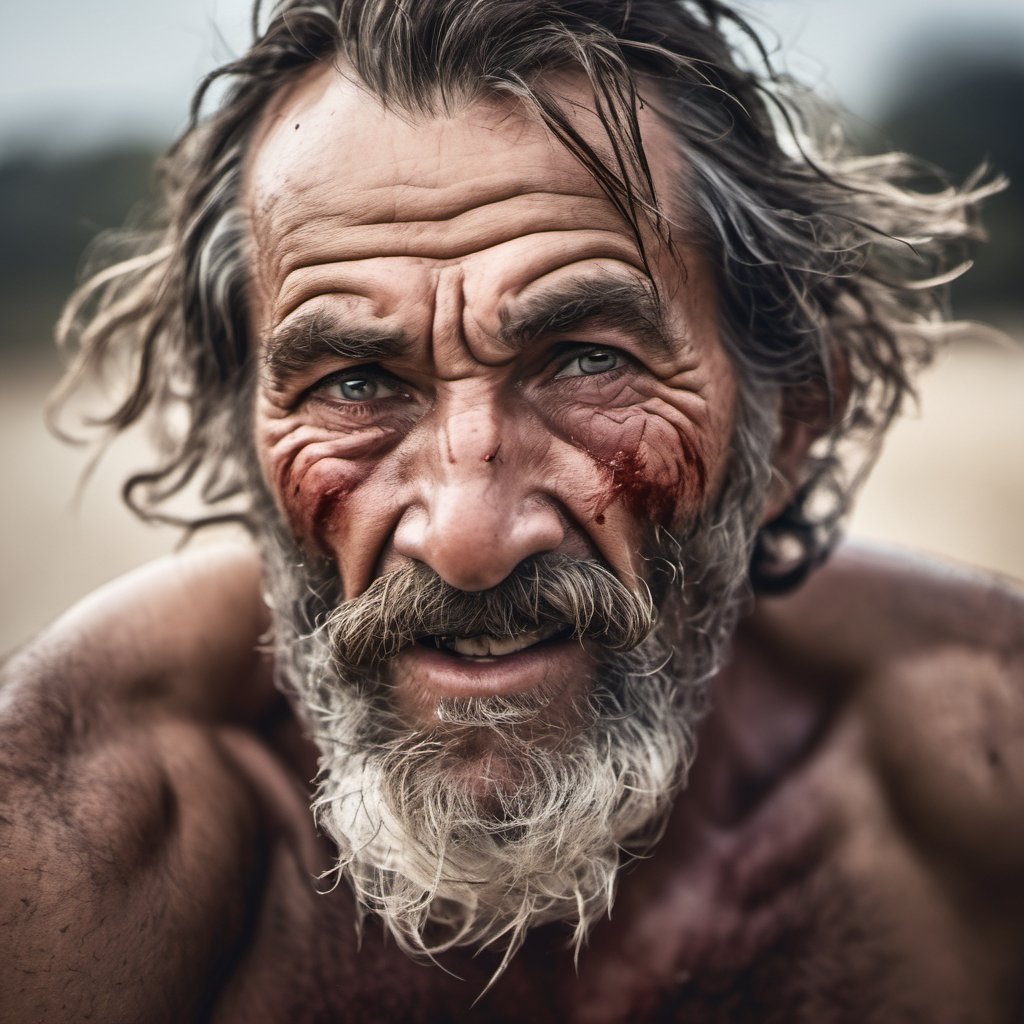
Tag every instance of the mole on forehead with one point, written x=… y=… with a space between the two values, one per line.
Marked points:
x=465 y=191
x=327 y=105
x=332 y=100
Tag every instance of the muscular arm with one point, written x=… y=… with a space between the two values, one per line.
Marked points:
x=126 y=796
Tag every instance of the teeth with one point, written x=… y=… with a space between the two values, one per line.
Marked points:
x=493 y=647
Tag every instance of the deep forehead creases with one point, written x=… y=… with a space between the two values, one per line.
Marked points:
x=358 y=208
x=296 y=143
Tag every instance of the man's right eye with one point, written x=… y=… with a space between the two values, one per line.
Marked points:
x=358 y=387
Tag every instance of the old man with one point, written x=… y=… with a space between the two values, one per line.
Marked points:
x=541 y=346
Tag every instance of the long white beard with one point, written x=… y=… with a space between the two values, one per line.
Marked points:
x=444 y=866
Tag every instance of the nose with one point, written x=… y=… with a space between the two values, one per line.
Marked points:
x=478 y=511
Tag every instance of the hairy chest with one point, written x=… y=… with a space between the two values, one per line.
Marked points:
x=812 y=911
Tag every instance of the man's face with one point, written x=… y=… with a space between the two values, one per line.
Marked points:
x=466 y=370
x=465 y=363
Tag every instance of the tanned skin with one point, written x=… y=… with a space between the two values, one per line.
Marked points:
x=849 y=848
x=850 y=845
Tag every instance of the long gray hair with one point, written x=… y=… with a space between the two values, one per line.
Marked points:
x=829 y=267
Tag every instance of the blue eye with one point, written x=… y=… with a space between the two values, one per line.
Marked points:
x=358 y=389
x=589 y=363
x=355 y=387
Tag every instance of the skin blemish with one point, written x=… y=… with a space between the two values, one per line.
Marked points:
x=449 y=452
x=644 y=495
x=325 y=509
x=315 y=504
x=654 y=464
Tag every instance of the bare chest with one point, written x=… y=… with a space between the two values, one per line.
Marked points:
x=811 y=911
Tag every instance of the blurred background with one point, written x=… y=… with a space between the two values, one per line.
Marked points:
x=90 y=93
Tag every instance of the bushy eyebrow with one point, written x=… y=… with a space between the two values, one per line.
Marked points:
x=311 y=338
x=630 y=305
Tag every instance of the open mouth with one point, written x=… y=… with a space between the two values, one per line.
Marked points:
x=486 y=647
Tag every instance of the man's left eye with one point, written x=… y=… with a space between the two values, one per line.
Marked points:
x=593 y=361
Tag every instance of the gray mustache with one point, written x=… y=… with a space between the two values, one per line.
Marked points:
x=414 y=602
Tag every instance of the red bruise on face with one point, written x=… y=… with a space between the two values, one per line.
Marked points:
x=655 y=473
x=328 y=504
x=311 y=511
x=313 y=495
x=644 y=495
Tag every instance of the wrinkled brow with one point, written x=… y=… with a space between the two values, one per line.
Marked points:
x=302 y=342
x=629 y=305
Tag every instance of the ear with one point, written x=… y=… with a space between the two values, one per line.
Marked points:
x=807 y=412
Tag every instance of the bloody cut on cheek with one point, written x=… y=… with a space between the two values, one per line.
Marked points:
x=655 y=469
x=319 y=458
x=646 y=495
x=314 y=504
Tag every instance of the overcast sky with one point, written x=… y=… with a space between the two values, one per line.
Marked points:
x=76 y=73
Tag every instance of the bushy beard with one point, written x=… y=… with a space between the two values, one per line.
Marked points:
x=509 y=812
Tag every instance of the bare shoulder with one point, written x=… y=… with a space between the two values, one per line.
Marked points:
x=934 y=659
x=903 y=603
x=168 y=630
x=126 y=794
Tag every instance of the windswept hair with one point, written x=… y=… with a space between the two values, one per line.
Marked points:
x=830 y=267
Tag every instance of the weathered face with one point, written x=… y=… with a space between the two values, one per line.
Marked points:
x=482 y=425
x=464 y=362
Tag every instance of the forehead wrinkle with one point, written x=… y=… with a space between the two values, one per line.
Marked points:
x=453 y=351
x=317 y=237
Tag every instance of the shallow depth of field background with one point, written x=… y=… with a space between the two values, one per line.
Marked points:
x=90 y=92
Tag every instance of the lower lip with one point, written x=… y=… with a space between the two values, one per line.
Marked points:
x=432 y=671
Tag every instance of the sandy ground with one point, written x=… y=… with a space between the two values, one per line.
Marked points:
x=950 y=482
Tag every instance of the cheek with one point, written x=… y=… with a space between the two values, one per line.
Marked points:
x=316 y=468
x=315 y=479
x=654 y=464
x=323 y=501
x=647 y=494
x=318 y=502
